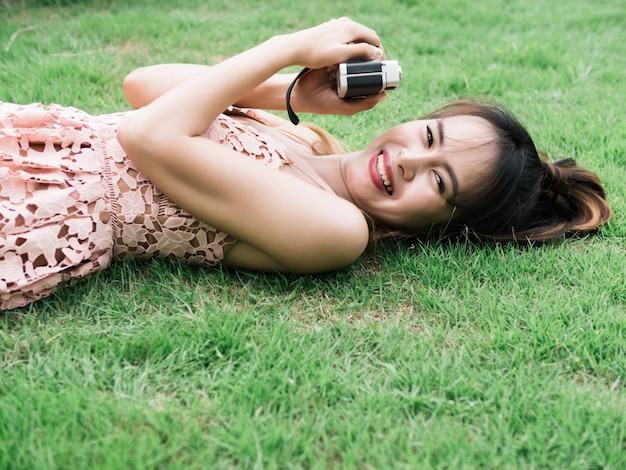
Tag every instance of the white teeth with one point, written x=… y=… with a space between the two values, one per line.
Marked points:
x=380 y=166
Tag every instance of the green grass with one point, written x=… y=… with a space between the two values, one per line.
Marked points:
x=429 y=356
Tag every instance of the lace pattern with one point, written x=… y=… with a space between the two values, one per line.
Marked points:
x=71 y=202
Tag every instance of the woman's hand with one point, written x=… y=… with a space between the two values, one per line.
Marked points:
x=321 y=48
x=316 y=92
x=332 y=43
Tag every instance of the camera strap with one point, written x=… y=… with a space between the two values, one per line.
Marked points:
x=292 y=115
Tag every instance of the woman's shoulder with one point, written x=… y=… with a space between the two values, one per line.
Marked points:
x=259 y=115
x=303 y=135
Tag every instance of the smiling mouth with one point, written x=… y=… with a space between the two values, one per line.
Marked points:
x=382 y=173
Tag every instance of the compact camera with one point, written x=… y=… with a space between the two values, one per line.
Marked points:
x=356 y=79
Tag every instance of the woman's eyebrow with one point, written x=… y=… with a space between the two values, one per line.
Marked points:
x=453 y=177
x=440 y=129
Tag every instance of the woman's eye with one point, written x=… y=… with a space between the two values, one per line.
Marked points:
x=429 y=136
x=440 y=183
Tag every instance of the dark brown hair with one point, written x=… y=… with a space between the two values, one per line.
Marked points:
x=526 y=198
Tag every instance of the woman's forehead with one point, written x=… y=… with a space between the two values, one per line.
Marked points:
x=467 y=130
x=471 y=150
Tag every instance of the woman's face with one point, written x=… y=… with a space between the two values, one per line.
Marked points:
x=408 y=176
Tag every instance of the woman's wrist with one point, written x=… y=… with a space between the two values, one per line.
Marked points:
x=270 y=94
x=289 y=49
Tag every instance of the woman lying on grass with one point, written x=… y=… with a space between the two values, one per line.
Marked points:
x=183 y=178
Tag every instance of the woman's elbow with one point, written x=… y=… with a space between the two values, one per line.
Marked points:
x=134 y=85
x=343 y=242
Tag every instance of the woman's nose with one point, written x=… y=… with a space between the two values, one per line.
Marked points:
x=411 y=162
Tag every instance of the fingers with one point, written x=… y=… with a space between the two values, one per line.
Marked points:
x=367 y=51
x=362 y=33
x=365 y=41
x=354 y=106
x=361 y=41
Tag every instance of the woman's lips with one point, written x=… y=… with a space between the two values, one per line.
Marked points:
x=380 y=171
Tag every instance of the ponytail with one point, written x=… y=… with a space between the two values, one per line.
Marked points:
x=571 y=200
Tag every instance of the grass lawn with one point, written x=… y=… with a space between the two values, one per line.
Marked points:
x=422 y=356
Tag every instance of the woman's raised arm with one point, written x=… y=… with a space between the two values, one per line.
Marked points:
x=314 y=93
x=145 y=84
x=299 y=226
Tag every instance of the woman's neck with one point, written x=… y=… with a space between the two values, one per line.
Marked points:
x=327 y=168
x=325 y=171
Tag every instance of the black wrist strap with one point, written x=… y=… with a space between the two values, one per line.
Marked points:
x=292 y=116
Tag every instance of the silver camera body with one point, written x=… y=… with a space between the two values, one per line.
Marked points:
x=356 y=79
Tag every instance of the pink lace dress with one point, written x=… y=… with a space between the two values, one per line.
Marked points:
x=71 y=202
